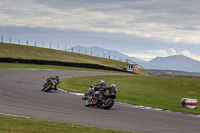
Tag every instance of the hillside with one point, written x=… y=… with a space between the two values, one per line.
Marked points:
x=31 y=52
x=176 y=62
x=101 y=52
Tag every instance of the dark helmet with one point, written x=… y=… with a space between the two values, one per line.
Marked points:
x=102 y=81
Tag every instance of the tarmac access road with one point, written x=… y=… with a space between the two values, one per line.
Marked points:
x=20 y=95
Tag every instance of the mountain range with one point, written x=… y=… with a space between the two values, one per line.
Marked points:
x=175 y=62
x=104 y=53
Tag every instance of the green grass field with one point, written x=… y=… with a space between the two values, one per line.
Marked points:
x=150 y=91
x=11 y=124
x=31 y=52
x=138 y=89
x=35 y=66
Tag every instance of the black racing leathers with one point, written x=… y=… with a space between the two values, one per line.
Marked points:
x=103 y=84
x=97 y=87
x=112 y=91
x=48 y=82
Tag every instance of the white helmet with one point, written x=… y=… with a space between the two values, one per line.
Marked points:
x=113 y=85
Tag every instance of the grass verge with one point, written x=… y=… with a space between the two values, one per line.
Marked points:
x=151 y=91
x=31 y=52
x=8 y=50
x=11 y=124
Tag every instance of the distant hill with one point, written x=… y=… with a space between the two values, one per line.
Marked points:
x=101 y=52
x=176 y=62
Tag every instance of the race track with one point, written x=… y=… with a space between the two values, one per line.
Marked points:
x=20 y=95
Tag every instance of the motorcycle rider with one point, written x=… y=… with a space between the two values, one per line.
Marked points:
x=112 y=90
x=47 y=83
x=57 y=79
x=101 y=84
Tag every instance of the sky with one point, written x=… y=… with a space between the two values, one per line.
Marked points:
x=144 y=29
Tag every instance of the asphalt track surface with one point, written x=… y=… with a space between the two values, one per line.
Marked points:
x=20 y=95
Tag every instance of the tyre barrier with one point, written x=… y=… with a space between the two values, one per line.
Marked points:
x=59 y=63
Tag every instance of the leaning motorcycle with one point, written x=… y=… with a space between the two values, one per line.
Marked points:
x=101 y=99
x=90 y=93
x=50 y=84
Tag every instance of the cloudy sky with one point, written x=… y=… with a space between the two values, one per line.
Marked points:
x=141 y=28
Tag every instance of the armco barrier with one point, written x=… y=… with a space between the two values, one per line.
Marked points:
x=58 y=63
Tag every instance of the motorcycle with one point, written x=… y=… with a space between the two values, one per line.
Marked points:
x=50 y=84
x=101 y=99
x=89 y=94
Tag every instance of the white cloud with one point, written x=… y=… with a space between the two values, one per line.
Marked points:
x=143 y=56
x=150 y=54
x=172 y=51
x=129 y=18
x=188 y=54
x=162 y=52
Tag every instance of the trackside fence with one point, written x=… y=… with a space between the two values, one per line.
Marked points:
x=58 y=47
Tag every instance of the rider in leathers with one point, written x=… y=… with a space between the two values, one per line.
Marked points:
x=112 y=93
x=101 y=84
x=112 y=90
x=46 y=84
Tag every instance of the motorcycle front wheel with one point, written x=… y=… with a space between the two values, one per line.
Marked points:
x=88 y=102
x=84 y=97
x=47 y=89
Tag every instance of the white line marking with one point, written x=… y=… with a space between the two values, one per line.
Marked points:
x=14 y=115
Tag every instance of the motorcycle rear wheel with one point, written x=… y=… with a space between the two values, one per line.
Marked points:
x=108 y=103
